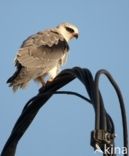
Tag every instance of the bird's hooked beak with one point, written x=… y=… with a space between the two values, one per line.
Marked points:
x=76 y=35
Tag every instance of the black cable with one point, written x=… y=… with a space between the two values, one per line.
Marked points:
x=31 y=108
x=121 y=101
x=73 y=93
x=109 y=122
x=56 y=92
x=97 y=95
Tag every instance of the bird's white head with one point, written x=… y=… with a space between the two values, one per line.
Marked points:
x=68 y=30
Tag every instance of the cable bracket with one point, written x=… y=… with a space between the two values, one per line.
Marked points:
x=101 y=137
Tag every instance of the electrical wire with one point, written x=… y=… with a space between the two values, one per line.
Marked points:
x=121 y=101
x=104 y=125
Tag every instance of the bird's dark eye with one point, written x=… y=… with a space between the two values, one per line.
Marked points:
x=69 y=29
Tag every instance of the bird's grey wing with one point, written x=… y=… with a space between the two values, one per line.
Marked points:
x=42 y=50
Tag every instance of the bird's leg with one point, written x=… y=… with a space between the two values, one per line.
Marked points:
x=41 y=80
x=53 y=73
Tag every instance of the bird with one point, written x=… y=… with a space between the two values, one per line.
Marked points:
x=42 y=55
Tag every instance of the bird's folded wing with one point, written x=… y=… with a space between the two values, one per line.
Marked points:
x=42 y=49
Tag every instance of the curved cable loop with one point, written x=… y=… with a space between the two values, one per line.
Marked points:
x=103 y=122
x=121 y=101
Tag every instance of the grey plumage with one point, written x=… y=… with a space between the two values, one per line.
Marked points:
x=40 y=55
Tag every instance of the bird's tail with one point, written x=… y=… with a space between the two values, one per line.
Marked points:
x=18 y=79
